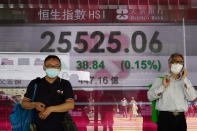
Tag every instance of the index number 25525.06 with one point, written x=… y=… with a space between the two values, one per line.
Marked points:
x=155 y=45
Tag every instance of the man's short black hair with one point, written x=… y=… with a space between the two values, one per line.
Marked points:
x=174 y=55
x=52 y=57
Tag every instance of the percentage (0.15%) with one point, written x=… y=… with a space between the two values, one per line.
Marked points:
x=141 y=64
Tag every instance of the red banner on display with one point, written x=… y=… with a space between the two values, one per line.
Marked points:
x=98 y=11
x=132 y=14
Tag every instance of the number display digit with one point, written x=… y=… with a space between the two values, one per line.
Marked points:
x=62 y=40
x=50 y=42
x=134 y=41
x=96 y=48
x=79 y=40
x=155 y=41
x=112 y=40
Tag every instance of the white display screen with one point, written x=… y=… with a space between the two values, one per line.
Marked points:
x=132 y=55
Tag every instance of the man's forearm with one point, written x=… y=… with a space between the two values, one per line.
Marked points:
x=28 y=105
x=63 y=107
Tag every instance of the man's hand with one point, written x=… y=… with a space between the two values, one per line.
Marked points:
x=44 y=114
x=39 y=106
x=166 y=81
x=185 y=73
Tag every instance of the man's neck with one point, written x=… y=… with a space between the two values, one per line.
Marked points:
x=50 y=80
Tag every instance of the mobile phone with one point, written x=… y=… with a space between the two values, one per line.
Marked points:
x=182 y=72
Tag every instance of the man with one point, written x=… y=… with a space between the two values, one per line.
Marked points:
x=124 y=105
x=133 y=109
x=171 y=94
x=54 y=97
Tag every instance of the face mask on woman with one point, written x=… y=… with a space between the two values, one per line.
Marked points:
x=176 y=68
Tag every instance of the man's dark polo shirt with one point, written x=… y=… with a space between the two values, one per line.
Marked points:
x=50 y=95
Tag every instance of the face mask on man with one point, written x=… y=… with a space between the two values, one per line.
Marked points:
x=176 y=68
x=52 y=73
